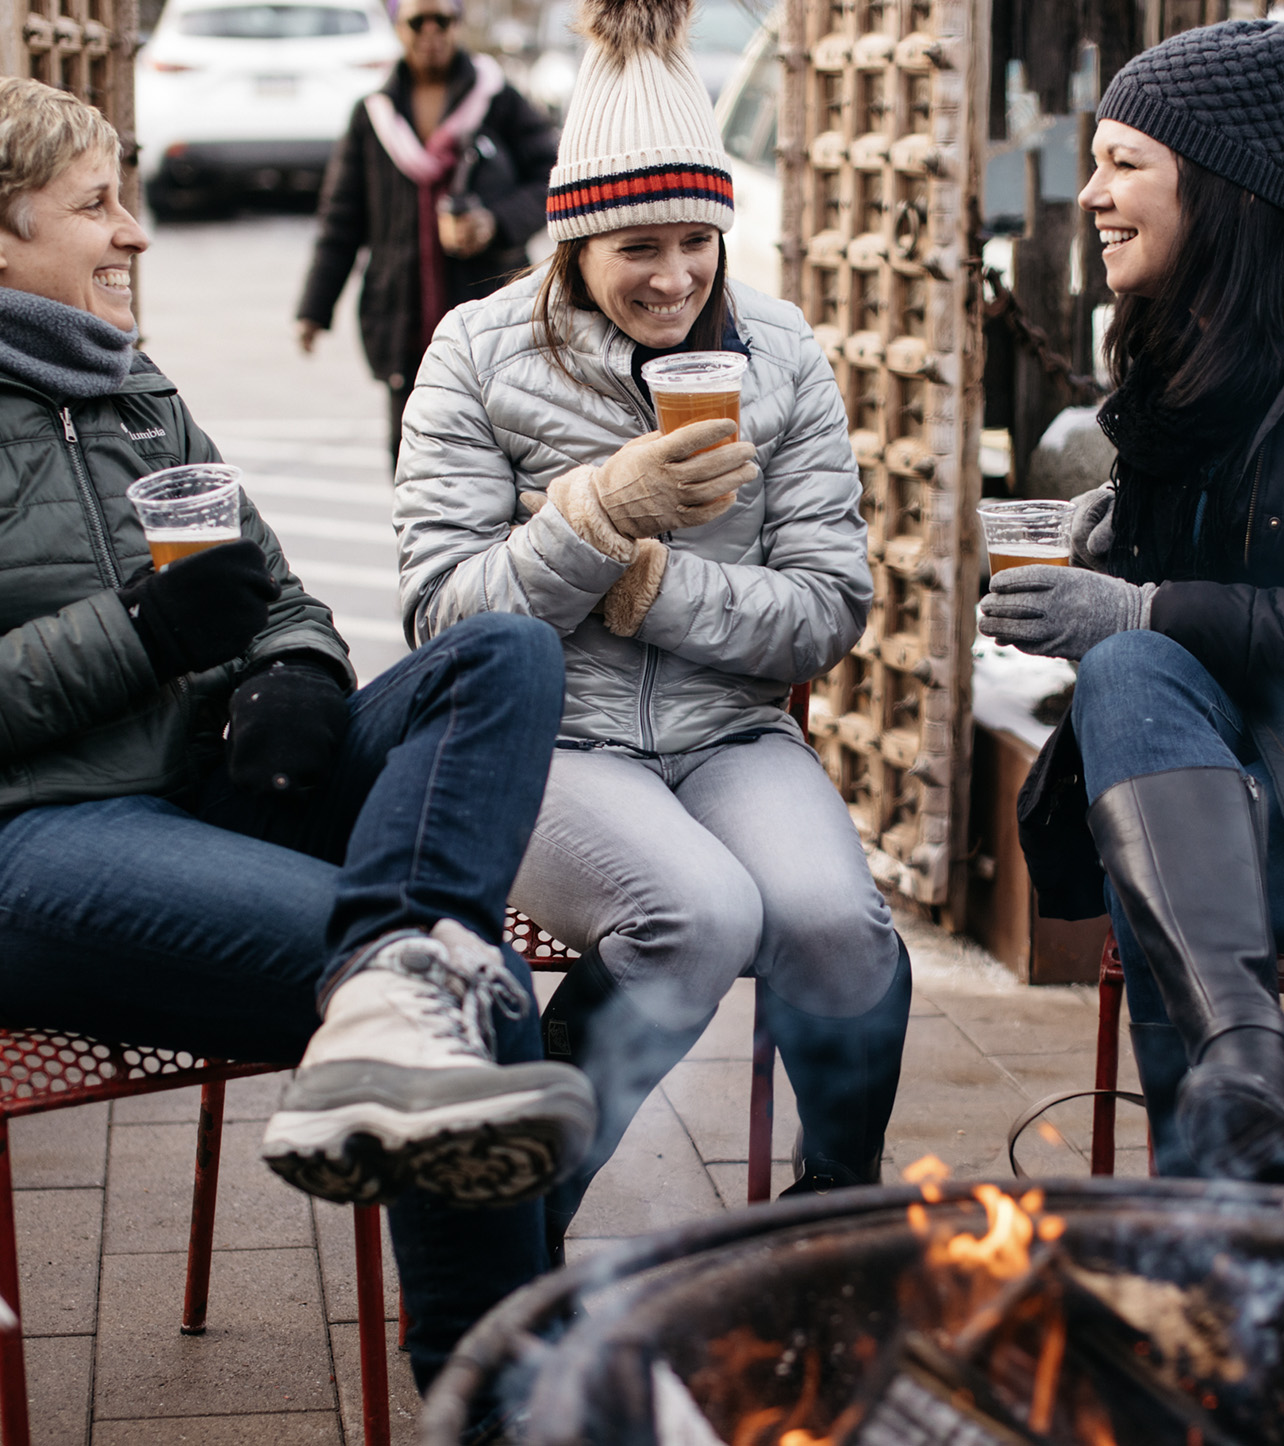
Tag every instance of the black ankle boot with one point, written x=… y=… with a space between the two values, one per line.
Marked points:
x=590 y=1022
x=1161 y=1063
x=844 y=1073
x=1184 y=851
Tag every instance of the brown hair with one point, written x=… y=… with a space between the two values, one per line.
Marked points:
x=42 y=130
x=563 y=290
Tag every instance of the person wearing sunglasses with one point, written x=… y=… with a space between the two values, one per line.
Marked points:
x=442 y=175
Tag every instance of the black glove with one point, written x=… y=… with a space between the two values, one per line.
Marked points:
x=288 y=722
x=202 y=610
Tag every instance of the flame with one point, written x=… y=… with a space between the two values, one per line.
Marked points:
x=1004 y=1250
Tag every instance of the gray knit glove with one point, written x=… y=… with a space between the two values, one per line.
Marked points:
x=1091 y=528
x=1061 y=612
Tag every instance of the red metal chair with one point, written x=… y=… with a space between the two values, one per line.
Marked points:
x=47 y=1070
x=542 y=951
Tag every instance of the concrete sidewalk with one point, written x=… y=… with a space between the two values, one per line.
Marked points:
x=104 y=1196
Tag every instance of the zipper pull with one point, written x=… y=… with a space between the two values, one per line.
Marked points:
x=68 y=429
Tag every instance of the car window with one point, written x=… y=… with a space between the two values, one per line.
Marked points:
x=721 y=25
x=273 y=22
x=749 y=131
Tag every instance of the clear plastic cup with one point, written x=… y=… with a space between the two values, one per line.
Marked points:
x=1022 y=531
x=693 y=386
x=187 y=509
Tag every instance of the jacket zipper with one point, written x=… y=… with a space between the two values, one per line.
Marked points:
x=97 y=526
x=651 y=656
x=1252 y=502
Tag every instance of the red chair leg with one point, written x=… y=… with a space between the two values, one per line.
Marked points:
x=200 y=1240
x=761 y=1103
x=15 y=1429
x=403 y=1321
x=370 y=1326
x=1110 y=994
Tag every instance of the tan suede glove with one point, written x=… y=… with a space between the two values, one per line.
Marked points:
x=655 y=484
x=658 y=483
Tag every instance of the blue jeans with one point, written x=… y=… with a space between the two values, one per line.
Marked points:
x=1143 y=704
x=211 y=927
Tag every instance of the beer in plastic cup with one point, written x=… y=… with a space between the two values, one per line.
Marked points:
x=187 y=509
x=694 y=386
x=1021 y=531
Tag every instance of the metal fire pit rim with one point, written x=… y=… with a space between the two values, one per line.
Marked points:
x=489 y=1345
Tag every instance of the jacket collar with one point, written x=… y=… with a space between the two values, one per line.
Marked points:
x=145 y=378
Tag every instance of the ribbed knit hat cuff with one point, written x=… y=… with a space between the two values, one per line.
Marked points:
x=645 y=188
x=1226 y=156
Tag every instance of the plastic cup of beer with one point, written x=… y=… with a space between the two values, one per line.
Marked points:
x=187 y=509
x=1021 y=531
x=694 y=386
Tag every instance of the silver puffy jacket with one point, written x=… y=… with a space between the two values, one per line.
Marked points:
x=772 y=592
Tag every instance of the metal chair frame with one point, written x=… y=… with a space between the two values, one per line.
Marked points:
x=43 y=1070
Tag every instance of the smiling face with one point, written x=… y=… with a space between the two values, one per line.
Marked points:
x=652 y=281
x=82 y=240
x=1132 y=195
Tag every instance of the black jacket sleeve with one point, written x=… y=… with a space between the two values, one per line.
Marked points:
x=531 y=141
x=1234 y=629
x=343 y=226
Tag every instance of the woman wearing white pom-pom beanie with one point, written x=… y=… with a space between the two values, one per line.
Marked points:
x=688 y=835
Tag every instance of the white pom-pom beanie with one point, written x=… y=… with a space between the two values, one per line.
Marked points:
x=640 y=145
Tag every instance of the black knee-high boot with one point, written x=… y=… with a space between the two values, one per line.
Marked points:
x=591 y=1022
x=844 y=1073
x=1161 y=1063
x=1185 y=854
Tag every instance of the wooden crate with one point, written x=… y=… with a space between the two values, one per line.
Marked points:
x=1002 y=910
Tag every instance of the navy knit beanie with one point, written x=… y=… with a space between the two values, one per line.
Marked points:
x=1214 y=95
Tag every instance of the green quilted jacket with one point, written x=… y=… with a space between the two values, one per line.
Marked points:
x=82 y=715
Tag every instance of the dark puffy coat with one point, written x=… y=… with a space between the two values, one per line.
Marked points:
x=1235 y=628
x=81 y=713
x=366 y=201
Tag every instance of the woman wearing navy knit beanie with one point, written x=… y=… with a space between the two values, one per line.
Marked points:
x=689 y=834
x=1175 y=606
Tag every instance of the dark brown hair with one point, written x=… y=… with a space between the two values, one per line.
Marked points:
x=563 y=290
x=1215 y=330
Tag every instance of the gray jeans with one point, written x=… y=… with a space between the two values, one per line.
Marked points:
x=690 y=870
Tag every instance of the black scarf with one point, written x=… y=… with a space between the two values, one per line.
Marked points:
x=1175 y=475
x=63 y=351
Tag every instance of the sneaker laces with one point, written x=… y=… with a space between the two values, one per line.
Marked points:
x=459 y=1000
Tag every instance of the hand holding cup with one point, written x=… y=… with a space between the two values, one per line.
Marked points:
x=658 y=483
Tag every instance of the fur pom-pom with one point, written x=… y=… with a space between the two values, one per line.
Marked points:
x=624 y=27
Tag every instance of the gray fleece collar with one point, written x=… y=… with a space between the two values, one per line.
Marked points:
x=63 y=351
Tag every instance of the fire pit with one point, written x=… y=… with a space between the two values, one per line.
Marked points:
x=1129 y=1312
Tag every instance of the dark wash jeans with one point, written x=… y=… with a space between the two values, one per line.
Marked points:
x=212 y=928
x=1143 y=704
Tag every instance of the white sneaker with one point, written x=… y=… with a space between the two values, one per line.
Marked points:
x=399 y=1086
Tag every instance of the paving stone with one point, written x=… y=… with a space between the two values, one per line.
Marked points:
x=59 y=1381
x=730 y=1032
x=1040 y=1020
x=403 y=1399
x=312 y=1428
x=265 y=1350
x=336 y=1244
x=654 y=1180
x=59 y=1236
x=150 y=1202
x=251 y=1098
x=731 y=1180
x=712 y=1097
x=60 y=1148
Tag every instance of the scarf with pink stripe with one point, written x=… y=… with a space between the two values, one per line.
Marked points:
x=431 y=166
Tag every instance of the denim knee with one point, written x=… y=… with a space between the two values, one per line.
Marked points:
x=686 y=957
